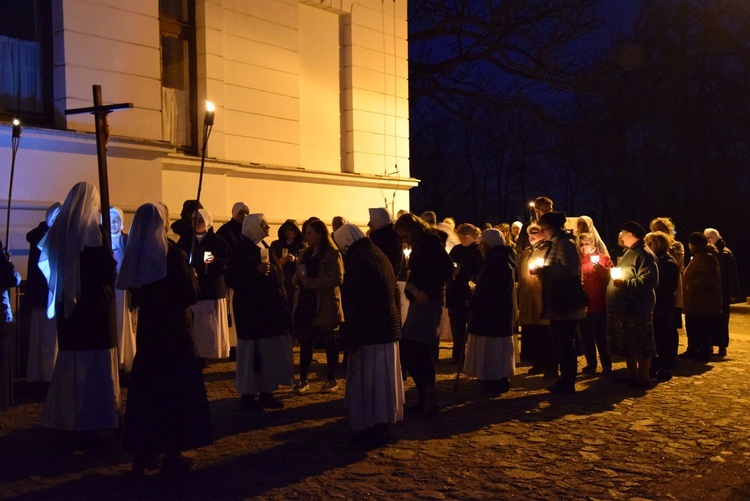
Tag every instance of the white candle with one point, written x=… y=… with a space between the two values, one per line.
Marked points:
x=616 y=273
x=595 y=259
x=264 y=257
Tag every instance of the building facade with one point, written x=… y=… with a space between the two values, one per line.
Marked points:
x=311 y=104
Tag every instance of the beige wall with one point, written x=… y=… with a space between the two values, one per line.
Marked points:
x=312 y=110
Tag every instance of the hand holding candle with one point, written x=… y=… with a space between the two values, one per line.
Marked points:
x=595 y=259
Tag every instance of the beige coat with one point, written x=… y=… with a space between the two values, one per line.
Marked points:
x=327 y=285
x=529 y=291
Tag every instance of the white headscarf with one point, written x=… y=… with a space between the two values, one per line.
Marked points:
x=207 y=217
x=52 y=213
x=145 y=259
x=598 y=242
x=379 y=217
x=117 y=211
x=492 y=238
x=252 y=227
x=76 y=227
x=712 y=235
x=118 y=248
x=346 y=236
x=237 y=207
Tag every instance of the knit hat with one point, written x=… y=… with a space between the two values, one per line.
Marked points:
x=553 y=219
x=634 y=228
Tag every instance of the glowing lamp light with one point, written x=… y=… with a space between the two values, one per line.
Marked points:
x=16 y=128
x=595 y=259
x=208 y=120
x=616 y=273
x=531 y=205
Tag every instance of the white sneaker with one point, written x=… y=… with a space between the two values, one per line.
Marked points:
x=301 y=387
x=330 y=386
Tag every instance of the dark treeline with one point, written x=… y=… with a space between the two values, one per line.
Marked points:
x=619 y=112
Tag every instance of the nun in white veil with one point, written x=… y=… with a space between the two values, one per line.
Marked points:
x=126 y=318
x=167 y=409
x=84 y=393
x=586 y=225
x=374 y=382
x=265 y=357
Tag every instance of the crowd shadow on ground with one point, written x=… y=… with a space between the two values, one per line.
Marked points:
x=315 y=439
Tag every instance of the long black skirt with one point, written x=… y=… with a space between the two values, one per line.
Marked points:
x=167 y=407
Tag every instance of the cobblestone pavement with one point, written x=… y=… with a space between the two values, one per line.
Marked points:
x=687 y=438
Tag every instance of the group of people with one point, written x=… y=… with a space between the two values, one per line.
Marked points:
x=156 y=310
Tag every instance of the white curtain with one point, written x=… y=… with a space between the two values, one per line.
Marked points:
x=20 y=75
x=175 y=116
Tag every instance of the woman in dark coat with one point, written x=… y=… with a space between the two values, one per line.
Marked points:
x=374 y=383
x=468 y=261
x=9 y=278
x=264 y=345
x=665 y=333
x=287 y=250
x=43 y=330
x=489 y=352
x=210 y=258
x=429 y=269
x=167 y=409
x=630 y=304
x=84 y=393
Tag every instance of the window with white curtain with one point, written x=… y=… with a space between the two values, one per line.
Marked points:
x=25 y=60
x=178 y=80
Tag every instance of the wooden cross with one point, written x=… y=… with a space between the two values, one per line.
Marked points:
x=102 y=137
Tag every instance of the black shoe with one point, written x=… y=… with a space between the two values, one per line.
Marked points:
x=589 y=369
x=144 y=462
x=504 y=385
x=551 y=375
x=417 y=408
x=176 y=463
x=606 y=371
x=562 y=388
x=664 y=375
x=535 y=370
x=722 y=352
x=687 y=354
x=626 y=380
x=249 y=403
x=640 y=385
x=268 y=401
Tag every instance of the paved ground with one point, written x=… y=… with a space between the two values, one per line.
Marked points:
x=688 y=438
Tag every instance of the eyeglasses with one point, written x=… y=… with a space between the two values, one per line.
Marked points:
x=534 y=232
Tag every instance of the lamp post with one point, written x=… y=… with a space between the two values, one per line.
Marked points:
x=208 y=123
x=14 y=142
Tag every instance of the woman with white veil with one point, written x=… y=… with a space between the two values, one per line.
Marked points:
x=586 y=225
x=167 y=409
x=84 y=393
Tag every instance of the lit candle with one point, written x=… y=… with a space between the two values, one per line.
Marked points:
x=615 y=273
x=536 y=263
x=595 y=259
x=407 y=251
